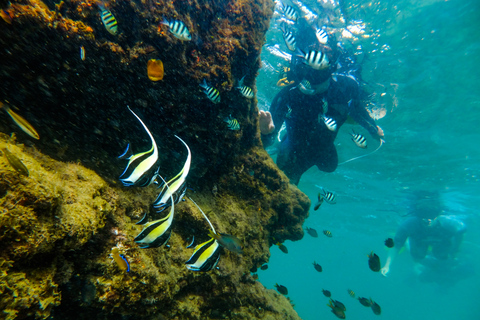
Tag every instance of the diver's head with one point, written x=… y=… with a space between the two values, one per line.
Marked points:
x=426 y=205
x=318 y=80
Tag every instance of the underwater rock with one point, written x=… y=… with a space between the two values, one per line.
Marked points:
x=58 y=225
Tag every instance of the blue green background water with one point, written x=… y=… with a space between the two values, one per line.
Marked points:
x=426 y=56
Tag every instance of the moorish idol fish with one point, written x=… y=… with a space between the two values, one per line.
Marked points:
x=232 y=123
x=211 y=92
x=247 y=92
x=315 y=59
x=139 y=164
x=156 y=233
x=206 y=255
x=21 y=122
x=359 y=140
x=108 y=20
x=174 y=184
x=178 y=29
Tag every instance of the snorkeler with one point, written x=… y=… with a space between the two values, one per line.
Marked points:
x=427 y=229
x=314 y=108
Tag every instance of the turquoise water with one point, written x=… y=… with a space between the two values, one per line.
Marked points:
x=424 y=56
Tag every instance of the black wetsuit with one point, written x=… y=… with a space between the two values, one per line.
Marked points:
x=308 y=141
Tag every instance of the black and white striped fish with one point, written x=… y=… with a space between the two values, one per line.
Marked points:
x=315 y=59
x=108 y=20
x=232 y=123
x=359 y=140
x=290 y=40
x=328 y=196
x=178 y=29
x=322 y=36
x=211 y=92
x=247 y=92
x=330 y=123
x=290 y=12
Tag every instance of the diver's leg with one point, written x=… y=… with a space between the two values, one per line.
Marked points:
x=327 y=158
x=292 y=162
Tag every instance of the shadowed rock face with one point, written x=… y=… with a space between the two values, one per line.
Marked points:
x=60 y=223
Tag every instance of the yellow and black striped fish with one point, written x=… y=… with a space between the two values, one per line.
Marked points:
x=327 y=233
x=178 y=29
x=108 y=20
x=211 y=92
x=247 y=92
x=174 y=184
x=156 y=233
x=359 y=140
x=232 y=123
x=351 y=293
x=140 y=164
x=205 y=257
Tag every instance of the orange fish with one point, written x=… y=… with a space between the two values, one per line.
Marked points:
x=155 y=69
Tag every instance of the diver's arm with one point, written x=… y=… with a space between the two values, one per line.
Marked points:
x=277 y=115
x=391 y=256
x=359 y=113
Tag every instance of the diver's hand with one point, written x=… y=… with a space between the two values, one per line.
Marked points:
x=380 y=133
x=265 y=121
x=385 y=270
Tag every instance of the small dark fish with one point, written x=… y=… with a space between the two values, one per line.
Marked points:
x=326 y=293
x=319 y=203
x=374 y=262
x=389 y=243
x=365 y=302
x=228 y=241
x=336 y=310
x=282 y=247
x=317 y=266
x=255 y=276
x=327 y=233
x=312 y=232
x=351 y=293
x=281 y=289
x=375 y=307
x=359 y=140
x=339 y=304
x=264 y=267
x=16 y=163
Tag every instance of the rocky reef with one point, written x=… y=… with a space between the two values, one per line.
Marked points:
x=59 y=224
